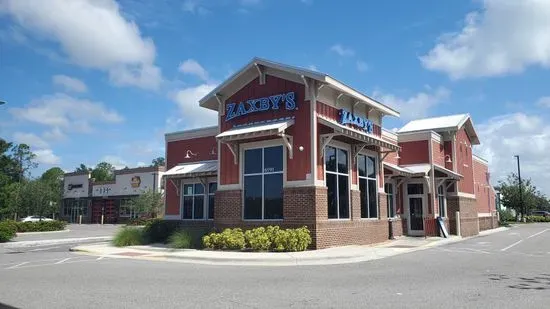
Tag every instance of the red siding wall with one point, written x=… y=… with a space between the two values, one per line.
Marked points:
x=299 y=166
x=464 y=162
x=414 y=152
x=438 y=153
x=485 y=196
x=175 y=154
x=448 y=151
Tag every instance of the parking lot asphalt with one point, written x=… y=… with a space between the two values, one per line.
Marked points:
x=509 y=269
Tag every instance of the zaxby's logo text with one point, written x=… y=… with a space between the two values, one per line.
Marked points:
x=274 y=102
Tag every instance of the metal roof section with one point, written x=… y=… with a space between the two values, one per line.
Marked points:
x=424 y=169
x=442 y=124
x=190 y=170
x=260 y=129
x=211 y=100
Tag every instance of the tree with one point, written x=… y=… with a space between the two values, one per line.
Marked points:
x=510 y=192
x=149 y=203
x=54 y=174
x=158 y=162
x=83 y=168
x=36 y=198
x=25 y=160
x=53 y=179
x=103 y=172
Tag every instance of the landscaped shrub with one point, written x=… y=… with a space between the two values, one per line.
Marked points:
x=138 y=221
x=158 y=230
x=537 y=219
x=506 y=215
x=259 y=239
x=7 y=230
x=229 y=239
x=41 y=226
x=181 y=239
x=129 y=236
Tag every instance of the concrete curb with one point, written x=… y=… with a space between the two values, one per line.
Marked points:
x=39 y=233
x=48 y=242
x=325 y=257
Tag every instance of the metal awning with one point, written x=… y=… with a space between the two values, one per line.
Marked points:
x=191 y=170
x=361 y=137
x=424 y=169
x=254 y=130
x=233 y=136
x=450 y=174
x=398 y=170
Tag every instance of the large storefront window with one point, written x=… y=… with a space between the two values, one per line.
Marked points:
x=127 y=210
x=263 y=183
x=441 y=201
x=388 y=188
x=368 y=186
x=193 y=201
x=337 y=179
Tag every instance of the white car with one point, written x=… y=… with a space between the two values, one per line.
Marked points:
x=35 y=219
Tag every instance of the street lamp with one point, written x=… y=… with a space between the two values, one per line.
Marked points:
x=520 y=190
x=2 y=102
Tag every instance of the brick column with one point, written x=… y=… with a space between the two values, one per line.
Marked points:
x=228 y=209
x=383 y=205
x=355 y=205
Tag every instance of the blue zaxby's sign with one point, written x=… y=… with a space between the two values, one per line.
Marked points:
x=346 y=117
x=274 y=102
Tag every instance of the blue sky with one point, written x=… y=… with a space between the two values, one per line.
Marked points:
x=93 y=80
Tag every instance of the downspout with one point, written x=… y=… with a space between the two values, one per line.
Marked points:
x=432 y=175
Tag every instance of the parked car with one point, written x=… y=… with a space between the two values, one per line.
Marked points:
x=541 y=213
x=35 y=219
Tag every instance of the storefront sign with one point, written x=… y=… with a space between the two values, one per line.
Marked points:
x=75 y=186
x=135 y=181
x=346 y=117
x=104 y=190
x=274 y=102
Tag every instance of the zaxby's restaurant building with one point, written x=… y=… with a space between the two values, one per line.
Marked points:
x=295 y=147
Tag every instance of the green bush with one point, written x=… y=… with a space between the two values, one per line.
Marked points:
x=258 y=239
x=181 y=239
x=271 y=238
x=229 y=239
x=138 y=221
x=8 y=230
x=41 y=226
x=129 y=236
x=537 y=219
x=506 y=215
x=158 y=230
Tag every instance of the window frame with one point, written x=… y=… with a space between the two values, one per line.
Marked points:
x=342 y=146
x=260 y=145
x=372 y=154
x=206 y=195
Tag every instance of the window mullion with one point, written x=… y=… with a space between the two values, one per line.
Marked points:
x=263 y=183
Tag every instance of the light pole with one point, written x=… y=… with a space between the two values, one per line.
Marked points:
x=2 y=102
x=520 y=190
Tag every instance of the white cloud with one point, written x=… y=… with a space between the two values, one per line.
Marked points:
x=192 y=115
x=30 y=139
x=116 y=161
x=55 y=134
x=342 y=51
x=93 y=34
x=416 y=106
x=504 y=136
x=192 y=67
x=70 y=83
x=313 y=67
x=194 y=7
x=362 y=66
x=46 y=156
x=141 y=164
x=544 y=102
x=504 y=38
x=63 y=111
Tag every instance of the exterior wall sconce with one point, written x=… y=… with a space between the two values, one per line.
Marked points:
x=187 y=154
x=448 y=159
x=213 y=151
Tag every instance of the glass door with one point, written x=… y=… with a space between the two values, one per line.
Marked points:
x=416 y=199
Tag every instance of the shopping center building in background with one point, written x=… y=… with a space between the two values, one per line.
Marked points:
x=295 y=147
x=86 y=198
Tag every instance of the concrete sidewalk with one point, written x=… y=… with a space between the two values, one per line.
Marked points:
x=337 y=255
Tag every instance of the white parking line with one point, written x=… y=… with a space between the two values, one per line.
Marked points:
x=17 y=265
x=43 y=249
x=62 y=261
x=520 y=241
